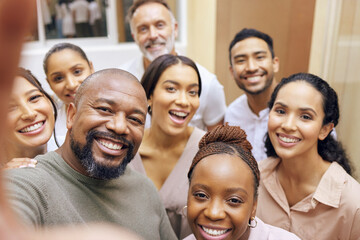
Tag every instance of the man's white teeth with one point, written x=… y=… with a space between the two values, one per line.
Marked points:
x=32 y=127
x=213 y=232
x=288 y=140
x=179 y=114
x=111 y=145
x=255 y=78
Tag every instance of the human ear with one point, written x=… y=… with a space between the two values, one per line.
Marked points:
x=276 y=64
x=91 y=67
x=253 y=212
x=70 y=115
x=325 y=130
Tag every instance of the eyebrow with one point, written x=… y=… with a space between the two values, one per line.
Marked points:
x=302 y=109
x=76 y=65
x=112 y=103
x=227 y=190
x=177 y=83
x=33 y=90
x=256 y=53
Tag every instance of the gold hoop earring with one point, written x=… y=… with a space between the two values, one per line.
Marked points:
x=250 y=224
x=182 y=211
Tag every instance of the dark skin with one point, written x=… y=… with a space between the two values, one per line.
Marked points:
x=16 y=20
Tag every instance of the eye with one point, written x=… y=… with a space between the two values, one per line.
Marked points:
x=160 y=25
x=104 y=109
x=142 y=29
x=35 y=98
x=260 y=57
x=235 y=201
x=200 y=195
x=136 y=120
x=193 y=93
x=78 y=72
x=306 y=117
x=240 y=60
x=171 y=89
x=280 y=111
x=58 y=79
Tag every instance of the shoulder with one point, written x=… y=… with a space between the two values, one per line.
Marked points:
x=190 y=237
x=207 y=78
x=268 y=165
x=197 y=134
x=264 y=231
x=37 y=177
x=137 y=181
x=238 y=104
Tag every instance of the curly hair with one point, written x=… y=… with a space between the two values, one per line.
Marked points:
x=229 y=140
x=329 y=149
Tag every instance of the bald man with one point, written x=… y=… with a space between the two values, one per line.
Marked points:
x=86 y=179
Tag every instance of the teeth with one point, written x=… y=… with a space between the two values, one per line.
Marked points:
x=288 y=140
x=32 y=128
x=255 y=78
x=213 y=232
x=179 y=114
x=110 y=145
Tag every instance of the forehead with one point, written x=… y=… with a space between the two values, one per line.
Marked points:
x=181 y=73
x=64 y=58
x=151 y=12
x=301 y=94
x=119 y=89
x=22 y=85
x=226 y=168
x=249 y=46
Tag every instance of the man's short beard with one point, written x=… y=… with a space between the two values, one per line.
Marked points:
x=169 y=46
x=267 y=85
x=94 y=169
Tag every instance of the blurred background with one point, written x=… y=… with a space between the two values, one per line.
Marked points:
x=319 y=36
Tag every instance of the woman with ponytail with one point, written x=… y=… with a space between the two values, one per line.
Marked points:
x=222 y=198
x=306 y=185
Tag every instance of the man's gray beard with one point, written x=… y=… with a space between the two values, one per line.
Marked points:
x=94 y=169
x=169 y=46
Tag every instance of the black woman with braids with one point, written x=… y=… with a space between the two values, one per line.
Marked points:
x=222 y=198
x=306 y=187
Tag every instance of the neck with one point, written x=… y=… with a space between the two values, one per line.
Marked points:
x=258 y=102
x=14 y=151
x=69 y=157
x=164 y=141
x=304 y=169
x=147 y=61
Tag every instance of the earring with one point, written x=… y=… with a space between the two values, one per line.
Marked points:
x=182 y=211
x=149 y=110
x=250 y=224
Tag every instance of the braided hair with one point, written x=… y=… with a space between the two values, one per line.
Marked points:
x=229 y=140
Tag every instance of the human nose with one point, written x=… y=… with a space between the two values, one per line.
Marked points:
x=28 y=113
x=153 y=33
x=118 y=124
x=72 y=83
x=289 y=123
x=252 y=65
x=215 y=210
x=182 y=99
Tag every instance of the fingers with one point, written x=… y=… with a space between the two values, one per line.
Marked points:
x=16 y=19
x=20 y=163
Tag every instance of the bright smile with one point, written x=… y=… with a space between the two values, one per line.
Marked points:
x=287 y=140
x=111 y=147
x=178 y=117
x=214 y=233
x=33 y=129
